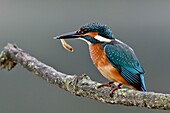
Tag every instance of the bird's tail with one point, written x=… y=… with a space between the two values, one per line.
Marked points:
x=143 y=87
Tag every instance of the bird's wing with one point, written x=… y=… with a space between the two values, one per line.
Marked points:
x=124 y=60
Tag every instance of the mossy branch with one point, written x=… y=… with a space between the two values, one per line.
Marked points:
x=81 y=85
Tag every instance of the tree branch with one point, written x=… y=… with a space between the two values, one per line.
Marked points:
x=81 y=85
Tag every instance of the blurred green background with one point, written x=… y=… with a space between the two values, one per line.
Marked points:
x=31 y=24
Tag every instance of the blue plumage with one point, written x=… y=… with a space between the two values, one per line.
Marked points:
x=122 y=57
x=102 y=29
x=120 y=63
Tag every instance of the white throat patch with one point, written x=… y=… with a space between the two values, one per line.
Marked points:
x=102 y=39
x=89 y=43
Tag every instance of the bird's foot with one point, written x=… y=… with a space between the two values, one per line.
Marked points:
x=106 y=84
x=114 y=89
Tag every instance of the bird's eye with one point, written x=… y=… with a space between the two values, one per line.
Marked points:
x=80 y=32
x=83 y=31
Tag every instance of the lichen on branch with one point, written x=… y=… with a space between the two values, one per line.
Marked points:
x=81 y=85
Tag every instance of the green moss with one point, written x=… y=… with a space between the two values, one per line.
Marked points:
x=5 y=61
x=162 y=100
x=145 y=99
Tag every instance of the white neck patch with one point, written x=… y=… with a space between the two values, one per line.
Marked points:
x=89 y=43
x=102 y=39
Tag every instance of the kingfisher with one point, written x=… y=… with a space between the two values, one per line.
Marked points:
x=115 y=60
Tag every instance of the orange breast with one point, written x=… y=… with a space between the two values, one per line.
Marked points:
x=106 y=69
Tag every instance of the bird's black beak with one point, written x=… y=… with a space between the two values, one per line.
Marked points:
x=69 y=35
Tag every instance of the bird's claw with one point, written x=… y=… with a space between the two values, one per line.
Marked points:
x=106 y=84
x=114 y=89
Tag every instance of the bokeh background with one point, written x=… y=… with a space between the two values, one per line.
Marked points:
x=31 y=24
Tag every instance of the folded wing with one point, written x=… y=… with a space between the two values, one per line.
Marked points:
x=125 y=61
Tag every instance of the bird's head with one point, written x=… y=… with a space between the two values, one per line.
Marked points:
x=92 y=33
